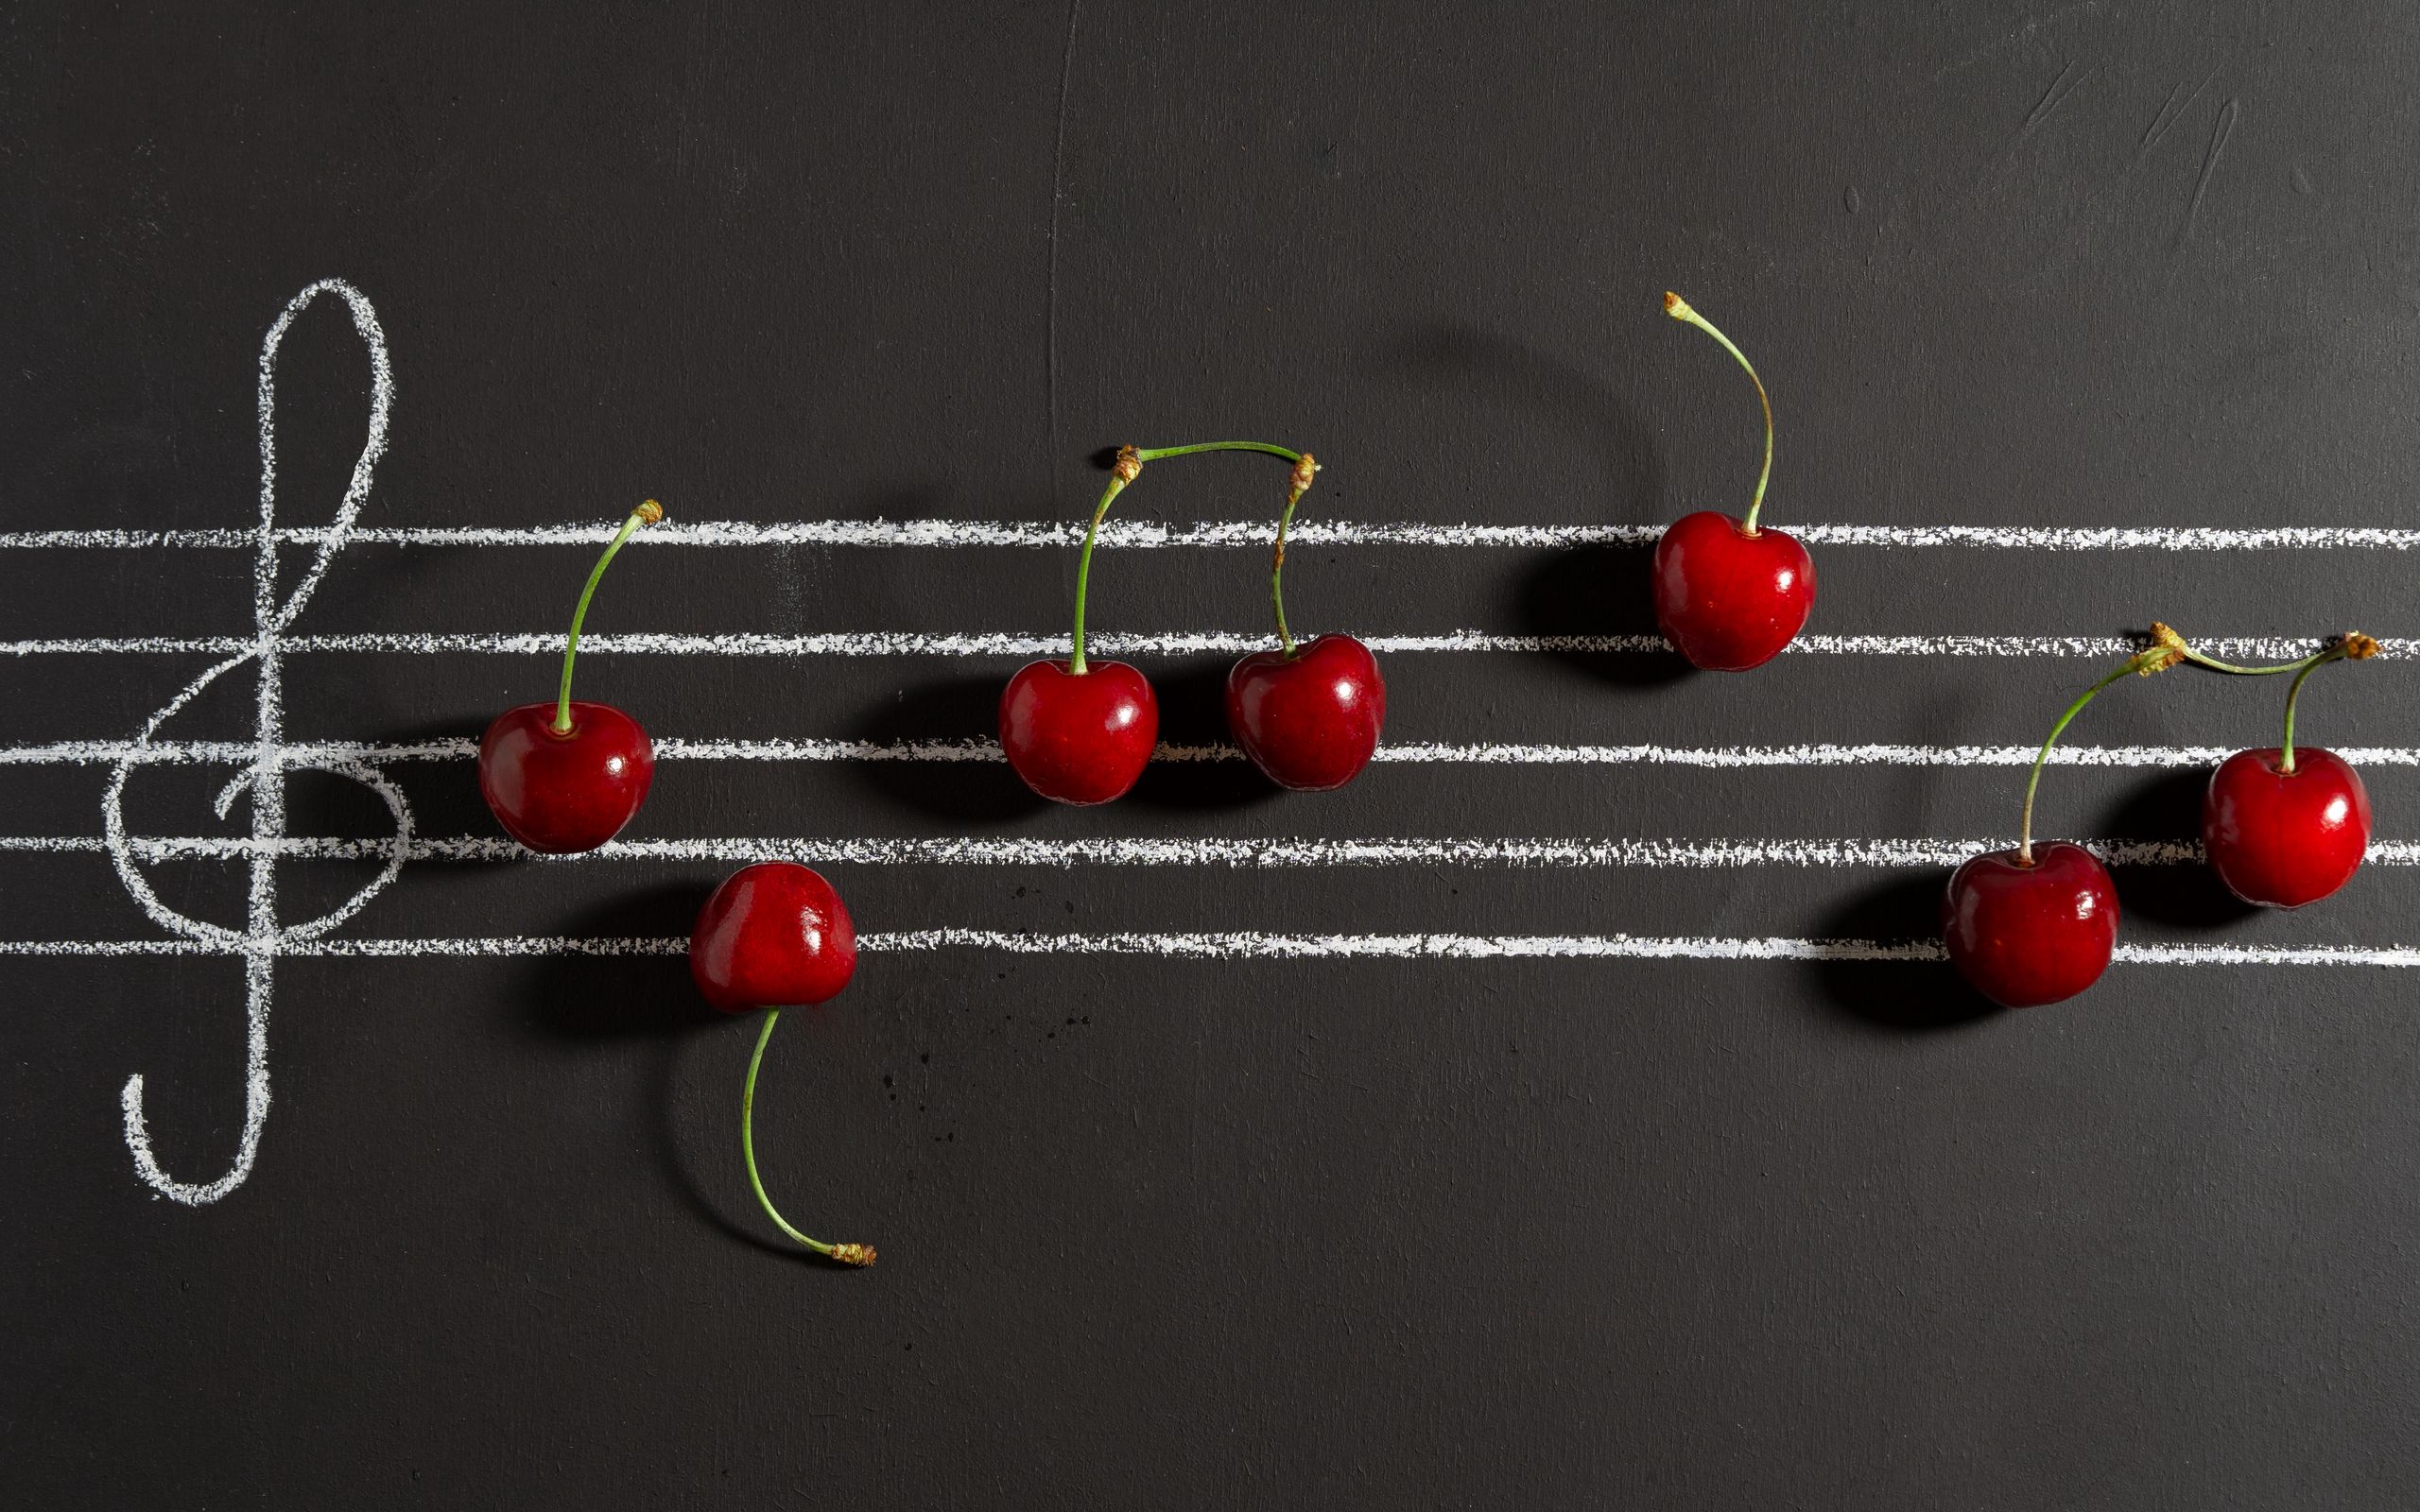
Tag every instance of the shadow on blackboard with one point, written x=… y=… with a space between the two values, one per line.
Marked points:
x=1600 y=592
x=1589 y=591
x=1903 y=995
x=952 y=710
x=1193 y=712
x=2168 y=807
x=586 y=1001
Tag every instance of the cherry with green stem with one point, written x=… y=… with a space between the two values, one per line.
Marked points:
x=2284 y=827
x=2028 y=926
x=565 y=776
x=774 y=935
x=1731 y=593
x=1309 y=714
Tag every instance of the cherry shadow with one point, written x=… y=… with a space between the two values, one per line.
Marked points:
x=1593 y=592
x=2168 y=807
x=1600 y=593
x=1905 y=996
x=950 y=710
x=641 y=1006
x=1193 y=712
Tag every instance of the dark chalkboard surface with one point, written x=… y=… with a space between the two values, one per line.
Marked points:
x=1540 y=1119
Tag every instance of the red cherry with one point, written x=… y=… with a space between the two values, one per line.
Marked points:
x=2282 y=839
x=1729 y=598
x=773 y=934
x=562 y=792
x=1078 y=737
x=1310 y=720
x=2024 y=936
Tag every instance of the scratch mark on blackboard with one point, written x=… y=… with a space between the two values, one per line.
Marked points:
x=1050 y=303
x=2051 y=99
x=2166 y=120
x=2209 y=165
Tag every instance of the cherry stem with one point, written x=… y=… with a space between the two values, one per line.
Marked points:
x=646 y=514
x=846 y=1254
x=2156 y=659
x=1128 y=466
x=1305 y=467
x=2354 y=648
x=1678 y=308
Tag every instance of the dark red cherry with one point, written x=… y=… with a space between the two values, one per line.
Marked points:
x=2026 y=936
x=773 y=936
x=1310 y=720
x=1726 y=599
x=1078 y=737
x=564 y=793
x=2282 y=839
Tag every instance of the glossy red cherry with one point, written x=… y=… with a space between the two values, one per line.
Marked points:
x=1078 y=737
x=1730 y=593
x=563 y=777
x=1729 y=598
x=2024 y=936
x=1309 y=721
x=773 y=934
x=2282 y=839
x=564 y=793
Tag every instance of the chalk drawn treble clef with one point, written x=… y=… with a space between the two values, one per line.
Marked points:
x=263 y=938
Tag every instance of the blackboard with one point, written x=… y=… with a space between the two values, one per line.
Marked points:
x=1421 y=1211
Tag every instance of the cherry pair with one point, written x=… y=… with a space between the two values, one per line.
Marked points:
x=1081 y=731
x=2281 y=827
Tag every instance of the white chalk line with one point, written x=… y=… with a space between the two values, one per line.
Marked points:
x=88 y=752
x=1248 y=944
x=1147 y=534
x=1167 y=642
x=1275 y=853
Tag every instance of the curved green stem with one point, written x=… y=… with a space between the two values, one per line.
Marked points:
x=1154 y=453
x=2156 y=658
x=646 y=514
x=1305 y=467
x=2354 y=648
x=1678 y=308
x=849 y=1254
x=1127 y=468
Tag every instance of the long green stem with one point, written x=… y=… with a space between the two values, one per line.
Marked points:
x=1678 y=308
x=2154 y=660
x=646 y=514
x=1127 y=468
x=1305 y=467
x=1154 y=453
x=847 y=1254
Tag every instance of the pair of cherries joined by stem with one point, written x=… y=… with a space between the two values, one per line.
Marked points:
x=2281 y=827
x=1730 y=593
x=1081 y=731
x=565 y=776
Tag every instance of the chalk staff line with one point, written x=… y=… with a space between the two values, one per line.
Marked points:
x=1276 y=854
x=1166 y=535
x=677 y=748
x=1252 y=944
x=1166 y=642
